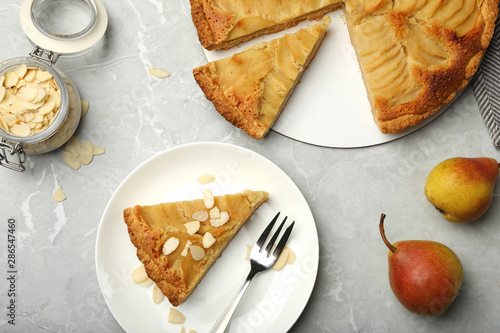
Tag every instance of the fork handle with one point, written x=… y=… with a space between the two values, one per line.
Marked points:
x=223 y=322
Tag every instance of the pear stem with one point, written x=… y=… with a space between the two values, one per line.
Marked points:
x=382 y=233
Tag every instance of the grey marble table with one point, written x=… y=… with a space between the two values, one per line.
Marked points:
x=135 y=116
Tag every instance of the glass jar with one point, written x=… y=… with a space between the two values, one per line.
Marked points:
x=56 y=28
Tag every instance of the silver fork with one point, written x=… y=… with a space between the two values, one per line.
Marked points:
x=260 y=260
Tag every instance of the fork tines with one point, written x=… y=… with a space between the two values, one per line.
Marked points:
x=281 y=244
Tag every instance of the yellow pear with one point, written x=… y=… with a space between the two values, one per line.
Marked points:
x=462 y=188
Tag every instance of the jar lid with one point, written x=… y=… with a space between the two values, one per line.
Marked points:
x=65 y=27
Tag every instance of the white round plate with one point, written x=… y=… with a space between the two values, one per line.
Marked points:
x=329 y=106
x=274 y=300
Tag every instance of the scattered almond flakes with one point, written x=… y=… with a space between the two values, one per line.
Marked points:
x=224 y=217
x=186 y=248
x=77 y=153
x=287 y=257
x=139 y=274
x=192 y=227
x=73 y=145
x=206 y=179
x=71 y=160
x=158 y=296
x=86 y=153
x=146 y=283
x=200 y=216
x=175 y=316
x=208 y=199
x=208 y=240
x=197 y=252
x=98 y=150
x=170 y=245
x=58 y=195
x=85 y=107
x=159 y=73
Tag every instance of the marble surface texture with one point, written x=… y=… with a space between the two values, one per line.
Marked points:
x=135 y=116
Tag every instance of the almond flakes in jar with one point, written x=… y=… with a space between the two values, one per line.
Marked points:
x=40 y=107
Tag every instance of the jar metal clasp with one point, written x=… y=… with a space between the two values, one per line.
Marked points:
x=14 y=151
x=48 y=57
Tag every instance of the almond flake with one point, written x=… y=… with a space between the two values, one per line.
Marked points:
x=71 y=160
x=42 y=76
x=192 y=227
x=200 y=216
x=208 y=240
x=20 y=130
x=175 y=316
x=139 y=274
x=85 y=107
x=47 y=107
x=11 y=79
x=208 y=199
x=146 y=283
x=224 y=217
x=214 y=213
x=170 y=245
x=21 y=70
x=29 y=94
x=58 y=195
x=249 y=250
x=73 y=145
x=206 y=179
x=30 y=75
x=158 y=296
x=98 y=150
x=186 y=248
x=159 y=72
x=197 y=252
x=86 y=153
x=282 y=260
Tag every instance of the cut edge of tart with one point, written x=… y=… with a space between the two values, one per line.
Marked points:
x=173 y=245
x=220 y=28
x=251 y=88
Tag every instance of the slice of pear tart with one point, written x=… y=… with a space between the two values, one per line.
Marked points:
x=251 y=88
x=178 y=242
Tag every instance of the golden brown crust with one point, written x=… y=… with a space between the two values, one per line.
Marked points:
x=150 y=226
x=205 y=78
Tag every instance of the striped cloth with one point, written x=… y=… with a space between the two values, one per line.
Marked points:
x=486 y=86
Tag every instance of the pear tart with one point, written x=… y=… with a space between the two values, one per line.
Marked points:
x=224 y=23
x=251 y=88
x=172 y=243
x=414 y=55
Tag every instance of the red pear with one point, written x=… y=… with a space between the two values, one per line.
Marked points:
x=424 y=275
